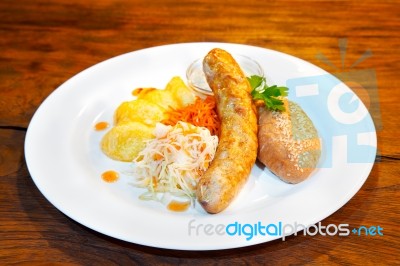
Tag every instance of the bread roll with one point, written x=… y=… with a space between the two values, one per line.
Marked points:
x=288 y=142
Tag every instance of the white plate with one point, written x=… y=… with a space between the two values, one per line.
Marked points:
x=64 y=159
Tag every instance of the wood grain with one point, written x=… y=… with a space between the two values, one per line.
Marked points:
x=44 y=43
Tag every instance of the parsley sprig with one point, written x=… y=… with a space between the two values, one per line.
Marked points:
x=269 y=94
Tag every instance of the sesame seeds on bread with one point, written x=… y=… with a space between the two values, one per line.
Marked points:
x=288 y=142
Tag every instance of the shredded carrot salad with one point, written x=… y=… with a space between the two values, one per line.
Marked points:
x=201 y=113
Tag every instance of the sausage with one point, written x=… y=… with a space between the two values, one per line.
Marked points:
x=237 y=148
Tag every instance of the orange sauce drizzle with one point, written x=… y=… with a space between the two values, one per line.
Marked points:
x=137 y=91
x=110 y=176
x=178 y=206
x=101 y=126
x=143 y=91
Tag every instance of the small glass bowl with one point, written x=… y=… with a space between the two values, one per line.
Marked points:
x=197 y=80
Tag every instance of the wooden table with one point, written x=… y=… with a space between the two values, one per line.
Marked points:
x=43 y=43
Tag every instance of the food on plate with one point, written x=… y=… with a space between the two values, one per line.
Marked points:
x=139 y=110
x=110 y=176
x=237 y=149
x=175 y=95
x=174 y=161
x=201 y=113
x=180 y=91
x=178 y=206
x=163 y=98
x=269 y=96
x=102 y=125
x=124 y=141
x=134 y=121
x=288 y=142
x=187 y=147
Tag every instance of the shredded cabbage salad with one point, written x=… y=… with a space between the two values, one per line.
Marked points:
x=174 y=161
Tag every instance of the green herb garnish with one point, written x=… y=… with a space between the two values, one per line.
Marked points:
x=269 y=94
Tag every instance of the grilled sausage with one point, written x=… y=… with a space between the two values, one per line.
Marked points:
x=237 y=148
